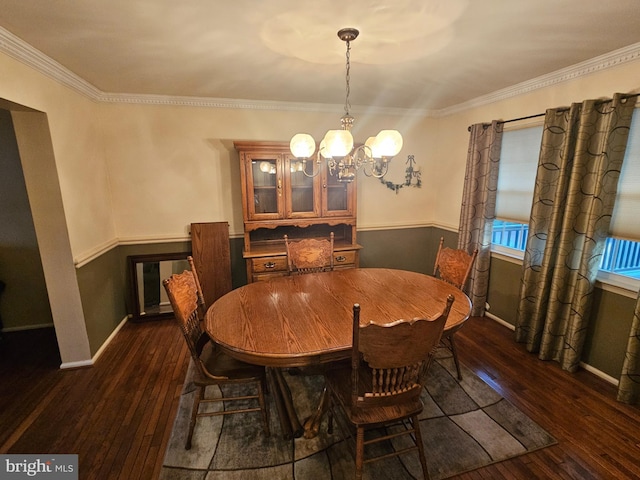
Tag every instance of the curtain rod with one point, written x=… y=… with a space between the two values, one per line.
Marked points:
x=626 y=96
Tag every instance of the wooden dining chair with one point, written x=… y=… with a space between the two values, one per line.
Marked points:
x=383 y=384
x=212 y=366
x=453 y=266
x=309 y=255
x=202 y=304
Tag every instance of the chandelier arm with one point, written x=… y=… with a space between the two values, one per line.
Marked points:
x=374 y=171
x=318 y=164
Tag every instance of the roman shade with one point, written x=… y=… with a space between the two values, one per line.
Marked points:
x=624 y=222
x=517 y=177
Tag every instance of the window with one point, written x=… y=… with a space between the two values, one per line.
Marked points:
x=620 y=256
x=620 y=263
x=510 y=234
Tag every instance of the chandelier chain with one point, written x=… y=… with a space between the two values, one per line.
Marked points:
x=347 y=105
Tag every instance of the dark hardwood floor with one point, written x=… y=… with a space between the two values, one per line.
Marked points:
x=118 y=414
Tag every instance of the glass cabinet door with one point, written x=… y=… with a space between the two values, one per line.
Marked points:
x=303 y=192
x=264 y=187
x=337 y=199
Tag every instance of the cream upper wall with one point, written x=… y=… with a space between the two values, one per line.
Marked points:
x=74 y=123
x=449 y=160
x=173 y=165
x=137 y=173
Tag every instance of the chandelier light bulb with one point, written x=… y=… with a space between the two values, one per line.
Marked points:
x=339 y=143
x=302 y=145
x=388 y=144
x=373 y=147
x=323 y=150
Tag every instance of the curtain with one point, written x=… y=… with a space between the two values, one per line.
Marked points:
x=580 y=159
x=479 y=206
x=629 y=387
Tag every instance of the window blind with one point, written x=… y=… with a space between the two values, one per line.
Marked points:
x=625 y=222
x=517 y=173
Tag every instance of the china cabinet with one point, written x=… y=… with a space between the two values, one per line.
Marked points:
x=278 y=198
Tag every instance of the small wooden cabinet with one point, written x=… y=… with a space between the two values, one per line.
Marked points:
x=278 y=199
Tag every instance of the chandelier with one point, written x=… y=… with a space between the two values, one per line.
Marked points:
x=337 y=149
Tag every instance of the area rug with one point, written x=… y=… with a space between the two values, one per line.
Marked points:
x=465 y=425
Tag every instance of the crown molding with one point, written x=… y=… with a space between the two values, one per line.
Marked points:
x=34 y=58
x=30 y=56
x=602 y=62
x=247 y=104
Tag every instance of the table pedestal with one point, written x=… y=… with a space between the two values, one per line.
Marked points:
x=291 y=427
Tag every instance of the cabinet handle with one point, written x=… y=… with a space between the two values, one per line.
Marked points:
x=340 y=258
x=279 y=187
x=269 y=265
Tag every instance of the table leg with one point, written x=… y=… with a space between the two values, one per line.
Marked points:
x=289 y=422
x=312 y=424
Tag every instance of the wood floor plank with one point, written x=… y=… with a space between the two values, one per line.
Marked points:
x=118 y=415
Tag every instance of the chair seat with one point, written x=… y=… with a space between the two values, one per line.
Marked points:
x=219 y=364
x=339 y=382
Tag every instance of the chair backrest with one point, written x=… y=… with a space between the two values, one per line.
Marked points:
x=309 y=255
x=453 y=266
x=183 y=294
x=202 y=305
x=389 y=362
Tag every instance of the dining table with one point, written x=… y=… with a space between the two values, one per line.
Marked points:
x=307 y=320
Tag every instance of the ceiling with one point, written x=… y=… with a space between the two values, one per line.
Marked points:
x=422 y=54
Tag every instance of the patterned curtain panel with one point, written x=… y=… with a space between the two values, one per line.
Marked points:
x=479 y=207
x=629 y=387
x=580 y=160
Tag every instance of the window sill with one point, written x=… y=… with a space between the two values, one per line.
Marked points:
x=507 y=254
x=619 y=284
x=610 y=282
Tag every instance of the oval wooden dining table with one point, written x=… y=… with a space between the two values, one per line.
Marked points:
x=305 y=320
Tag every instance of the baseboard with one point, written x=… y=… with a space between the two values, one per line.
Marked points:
x=110 y=338
x=499 y=320
x=89 y=363
x=82 y=364
x=586 y=366
x=600 y=374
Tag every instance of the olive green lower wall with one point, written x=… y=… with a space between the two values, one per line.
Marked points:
x=102 y=292
x=411 y=249
x=104 y=287
x=609 y=326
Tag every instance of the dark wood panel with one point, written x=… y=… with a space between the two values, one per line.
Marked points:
x=212 y=258
x=118 y=414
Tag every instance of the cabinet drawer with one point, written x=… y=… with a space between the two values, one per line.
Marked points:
x=259 y=277
x=268 y=264
x=347 y=257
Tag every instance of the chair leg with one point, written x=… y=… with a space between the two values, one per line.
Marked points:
x=359 y=452
x=455 y=356
x=423 y=459
x=194 y=413
x=263 y=407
